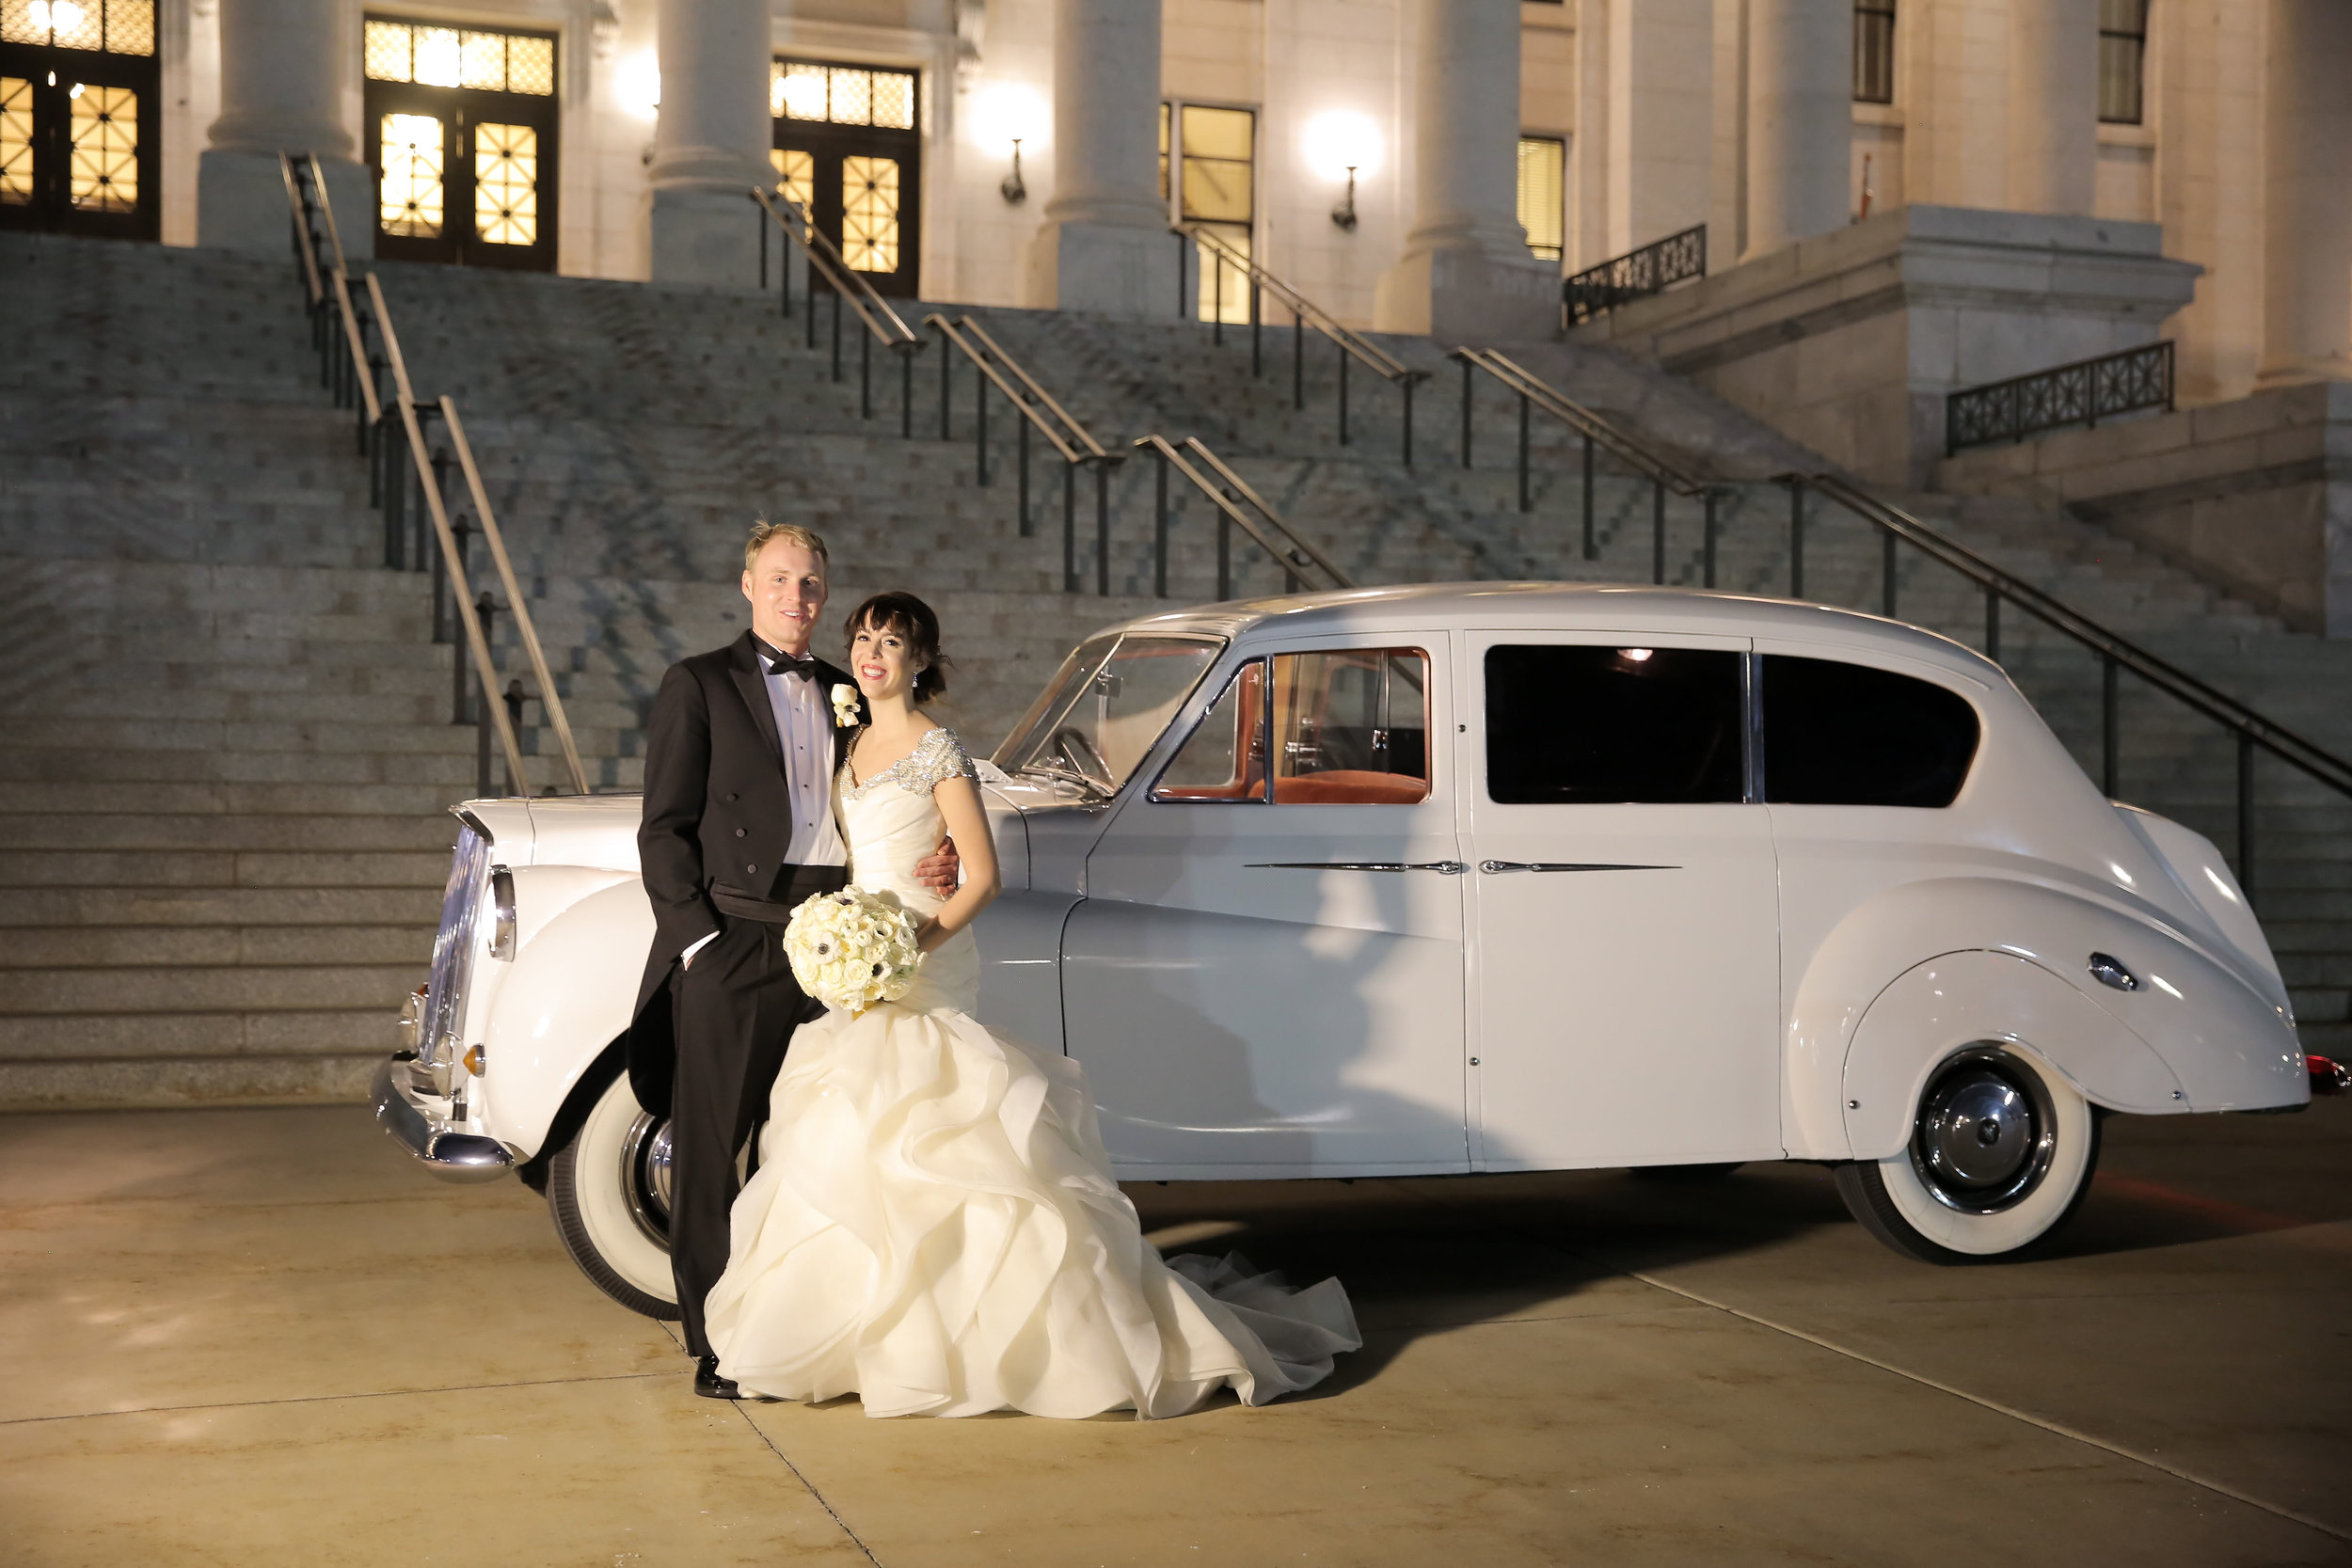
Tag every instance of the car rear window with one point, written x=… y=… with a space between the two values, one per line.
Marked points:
x=1575 y=725
x=1847 y=735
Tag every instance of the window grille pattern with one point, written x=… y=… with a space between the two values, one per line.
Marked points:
x=870 y=214
x=796 y=175
x=458 y=57
x=16 y=141
x=410 y=200
x=506 y=184
x=1874 y=50
x=1216 y=159
x=2123 y=58
x=841 y=95
x=1543 y=194
x=115 y=27
x=103 y=175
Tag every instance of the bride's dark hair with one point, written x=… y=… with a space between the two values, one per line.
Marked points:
x=914 y=625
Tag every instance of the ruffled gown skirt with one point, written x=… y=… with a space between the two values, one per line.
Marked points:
x=934 y=1227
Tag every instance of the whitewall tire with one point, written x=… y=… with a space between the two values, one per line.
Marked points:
x=608 y=1189
x=2001 y=1151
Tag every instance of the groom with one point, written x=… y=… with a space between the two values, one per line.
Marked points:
x=737 y=828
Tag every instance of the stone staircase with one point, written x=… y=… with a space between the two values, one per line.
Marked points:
x=227 y=751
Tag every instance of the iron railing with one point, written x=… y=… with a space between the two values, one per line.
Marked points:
x=1237 y=506
x=1598 y=434
x=1304 y=313
x=1072 y=441
x=1637 y=273
x=2081 y=394
x=824 y=262
x=351 y=371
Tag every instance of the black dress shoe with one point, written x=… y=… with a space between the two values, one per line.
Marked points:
x=709 y=1385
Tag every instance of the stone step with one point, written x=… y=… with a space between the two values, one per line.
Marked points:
x=157 y=830
x=242 y=988
x=192 y=868
x=82 y=906
x=120 y=947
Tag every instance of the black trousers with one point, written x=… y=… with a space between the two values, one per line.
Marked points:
x=735 y=1010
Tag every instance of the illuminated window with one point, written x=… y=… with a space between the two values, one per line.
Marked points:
x=16 y=141
x=104 y=174
x=506 y=184
x=2122 y=55
x=841 y=94
x=393 y=51
x=115 y=27
x=870 y=214
x=410 y=200
x=1874 y=50
x=1543 y=194
x=1216 y=154
x=796 y=175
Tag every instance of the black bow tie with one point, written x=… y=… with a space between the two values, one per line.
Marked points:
x=785 y=664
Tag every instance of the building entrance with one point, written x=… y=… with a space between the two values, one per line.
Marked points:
x=80 y=110
x=461 y=131
x=846 y=149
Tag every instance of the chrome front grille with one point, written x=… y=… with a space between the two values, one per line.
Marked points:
x=453 y=948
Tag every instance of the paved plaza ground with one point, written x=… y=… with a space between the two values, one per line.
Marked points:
x=262 y=1336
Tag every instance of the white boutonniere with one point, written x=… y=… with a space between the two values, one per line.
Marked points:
x=845 y=705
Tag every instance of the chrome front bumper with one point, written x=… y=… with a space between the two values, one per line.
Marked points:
x=401 y=1110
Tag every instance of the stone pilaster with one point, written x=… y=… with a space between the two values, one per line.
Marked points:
x=1104 y=245
x=2307 y=146
x=711 y=146
x=2054 y=106
x=281 y=88
x=1800 y=121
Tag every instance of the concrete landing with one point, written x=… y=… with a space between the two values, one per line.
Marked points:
x=260 y=1337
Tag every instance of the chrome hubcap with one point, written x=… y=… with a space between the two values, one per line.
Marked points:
x=645 y=1154
x=1985 y=1134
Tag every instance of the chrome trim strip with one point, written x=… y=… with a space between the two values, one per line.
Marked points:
x=470 y=820
x=450 y=1156
x=1443 y=869
x=1492 y=868
x=501 y=913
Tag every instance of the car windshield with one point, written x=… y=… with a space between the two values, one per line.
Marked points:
x=1105 y=707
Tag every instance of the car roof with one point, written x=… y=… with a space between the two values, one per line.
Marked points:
x=1569 y=606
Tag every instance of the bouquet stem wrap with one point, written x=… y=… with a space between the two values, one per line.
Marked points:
x=852 y=948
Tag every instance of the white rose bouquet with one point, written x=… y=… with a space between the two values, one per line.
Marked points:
x=852 y=948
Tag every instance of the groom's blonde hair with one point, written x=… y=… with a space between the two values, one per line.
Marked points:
x=763 y=531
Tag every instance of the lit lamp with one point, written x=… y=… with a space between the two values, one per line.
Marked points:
x=1341 y=144
x=1344 y=214
x=1010 y=188
x=1010 y=112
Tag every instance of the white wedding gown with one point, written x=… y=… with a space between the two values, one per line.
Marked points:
x=933 y=1225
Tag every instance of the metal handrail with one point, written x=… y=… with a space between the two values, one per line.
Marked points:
x=308 y=197
x=1230 y=493
x=882 y=325
x=1636 y=274
x=2116 y=652
x=1598 y=432
x=2080 y=394
x=1039 y=410
x=1304 y=312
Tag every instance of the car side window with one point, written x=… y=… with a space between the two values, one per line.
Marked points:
x=1579 y=725
x=1224 y=758
x=1352 y=727
x=1847 y=735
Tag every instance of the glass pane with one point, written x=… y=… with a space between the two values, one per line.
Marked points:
x=870 y=214
x=1224 y=758
x=894 y=100
x=1108 y=708
x=387 y=50
x=506 y=184
x=19 y=23
x=16 y=141
x=1543 y=183
x=2119 y=79
x=482 y=61
x=103 y=175
x=530 y=65
x=1352 y=727
x=1611 y=726
x=1216 y=191
x=1218 y=132
x=130 y=26
x=796 y=91
x=1224 y=289
x=439 y=61
x=796 y=174
x=409 y=200
x=1163 y=109
x=1846 y=735
x=75 y=23
x=852 y=96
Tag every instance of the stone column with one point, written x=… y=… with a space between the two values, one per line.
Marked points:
x=2054 y=106
x=711 y=142
x=1466 y=275
x=282 y=64
x=1105 y=244
x=2306 y=148
x=1800 y=121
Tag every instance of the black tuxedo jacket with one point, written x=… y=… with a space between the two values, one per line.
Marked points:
x=718 y=810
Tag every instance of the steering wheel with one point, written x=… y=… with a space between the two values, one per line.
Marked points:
x=1076 y=748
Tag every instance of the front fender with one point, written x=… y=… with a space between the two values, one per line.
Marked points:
x=569 y=993
x=2225 y=1045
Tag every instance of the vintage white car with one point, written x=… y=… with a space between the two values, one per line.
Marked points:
x=1471 y=877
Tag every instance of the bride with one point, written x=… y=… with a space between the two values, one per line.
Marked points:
x=934 y=1226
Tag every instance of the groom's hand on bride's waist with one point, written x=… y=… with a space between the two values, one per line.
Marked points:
x=939 y=870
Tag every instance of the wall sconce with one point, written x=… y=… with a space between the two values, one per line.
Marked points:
x=1344 y=214
x=1012 y=189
